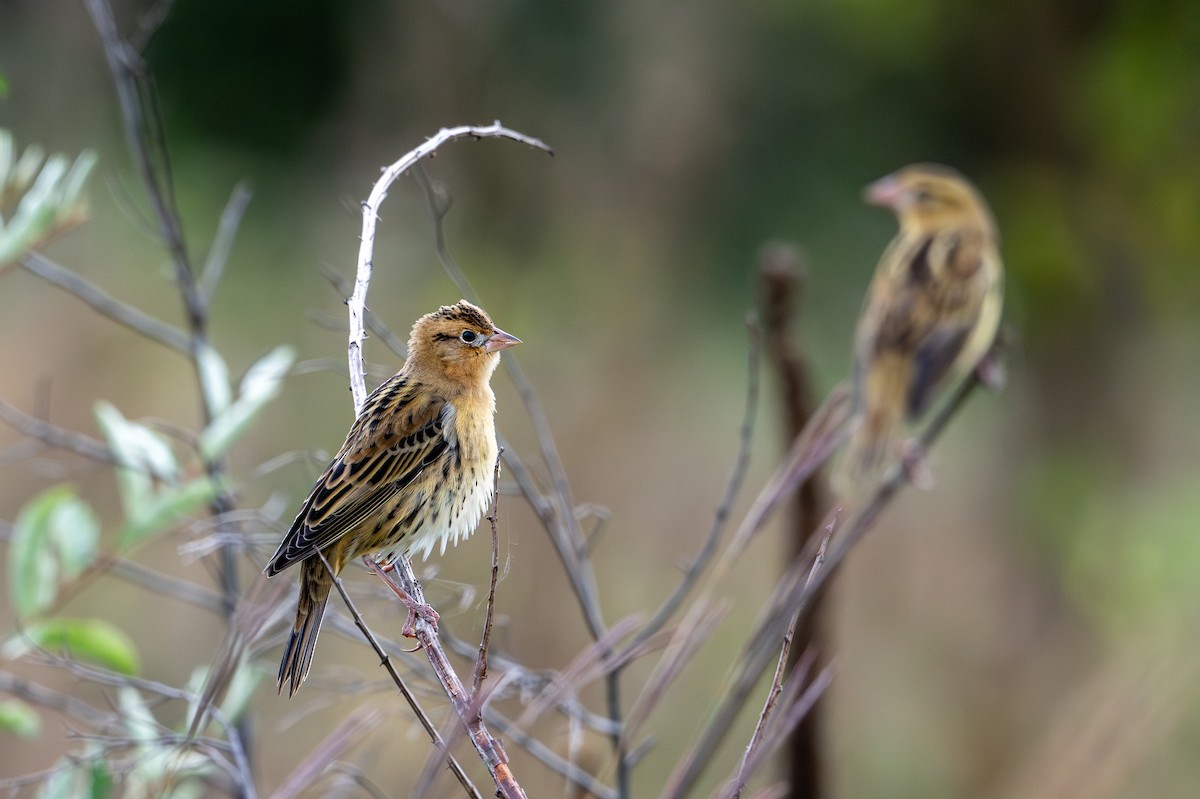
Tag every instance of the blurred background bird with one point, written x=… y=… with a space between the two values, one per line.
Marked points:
x=930 y=315
x=416 y=471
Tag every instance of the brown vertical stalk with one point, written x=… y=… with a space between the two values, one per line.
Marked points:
x=783 y=273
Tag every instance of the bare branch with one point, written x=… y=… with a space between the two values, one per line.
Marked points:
x=794 y=591
x=481 y=661
x=122 y=313
x=55 y=436
x=149 y=152
x=341 y=738
x=358 y=299
x=386 y=662
x=490 y=751
x=736 y=477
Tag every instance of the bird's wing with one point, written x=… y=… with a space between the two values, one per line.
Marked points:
x=400 y=432
x=951 y=281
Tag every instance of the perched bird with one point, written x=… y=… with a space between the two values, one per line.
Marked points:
x=930 y=315
x=416 y=469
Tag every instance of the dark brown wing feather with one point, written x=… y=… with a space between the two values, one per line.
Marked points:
x=379 y=459
x=933 y=311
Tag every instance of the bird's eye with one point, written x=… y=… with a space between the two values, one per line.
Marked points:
x=468 y=336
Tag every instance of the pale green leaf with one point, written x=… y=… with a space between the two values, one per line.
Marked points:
x=142 y=454
x=32 y=568
x=65 y=783
x=71 y=190
x=163 y=510
x=214 y=379
x=139 y=721
x=19 y=719
x=94 y=640
x=75 y=532
x=260 y=385
x=241 y=690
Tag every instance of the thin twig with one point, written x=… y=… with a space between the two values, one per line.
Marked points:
x=341 y=738
x=358 y=298
x=55 y=436
x=792 y=593
x=781 y=666
x=386 y=661
x=490 y=751
x=796 y=709
x=481 y=661
x=737 y=476
x=104 y=303
x=222 y=245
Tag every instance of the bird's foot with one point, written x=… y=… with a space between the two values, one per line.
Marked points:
x=916 y=467
x=991 y=372
x=416 y=610
x=419 y=611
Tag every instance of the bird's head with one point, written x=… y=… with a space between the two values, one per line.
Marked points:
x=930 y=196
x=457 y=342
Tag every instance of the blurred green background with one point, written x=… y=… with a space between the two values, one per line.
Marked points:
x=1029 y=628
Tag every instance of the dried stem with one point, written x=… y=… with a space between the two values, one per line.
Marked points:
x=791 y=595
x=721 y=517
x=386 y=661
x=490 y=751
x=783 y=275
x=136 y=320
x=481 y=661
x=781 y=668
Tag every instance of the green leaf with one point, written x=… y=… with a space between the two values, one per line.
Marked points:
x=95 y=640
x=20 y=719
x=214 y=379
x=74 y=532
x=162 y=511
x=32 y=568
x=139 y=721
x=241 y=690
x=63 y=783
x=143 y=455
x=101 y=780
x=70 y=200
x=56 y=532
x=260 y=385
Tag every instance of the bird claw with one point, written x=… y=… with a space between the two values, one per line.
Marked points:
x=419 y=611
x=916 y=468
x=991 y=373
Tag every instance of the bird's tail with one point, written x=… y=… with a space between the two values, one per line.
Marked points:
x=315 y=584
x=878 y=437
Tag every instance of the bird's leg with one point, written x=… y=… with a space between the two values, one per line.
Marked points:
x=416 y=610
x=912 y=455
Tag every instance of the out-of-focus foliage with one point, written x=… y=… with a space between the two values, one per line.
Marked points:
x=39 y=196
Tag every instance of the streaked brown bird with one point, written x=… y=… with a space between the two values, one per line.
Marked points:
x=416 y=471
x=930 y=315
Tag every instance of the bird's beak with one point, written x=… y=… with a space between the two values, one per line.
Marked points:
x=500 y=341
x=889 y=193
